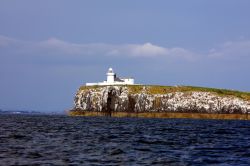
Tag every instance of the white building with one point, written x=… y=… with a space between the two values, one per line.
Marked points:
x=112 y=79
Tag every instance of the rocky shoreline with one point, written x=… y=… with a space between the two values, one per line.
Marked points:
x=138 y=100
x=160 y=115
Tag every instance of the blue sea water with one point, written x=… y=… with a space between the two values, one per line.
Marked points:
x=63 y=140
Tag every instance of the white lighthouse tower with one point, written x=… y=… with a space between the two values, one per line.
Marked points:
x=110 y=76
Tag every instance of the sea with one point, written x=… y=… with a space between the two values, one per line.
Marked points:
x=64 y=140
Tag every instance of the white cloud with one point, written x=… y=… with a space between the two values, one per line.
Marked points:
x=54 y=45
x=231 y=50
x=6 y=41
x=59 y=48
x=136 y=50
x=147 y=49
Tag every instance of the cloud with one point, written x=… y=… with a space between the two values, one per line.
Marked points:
x=231 y=50
x=150 y=50
x=146 y=49
x=55 y=50
x=130 y=50
x=57 y=46
x=7 y=41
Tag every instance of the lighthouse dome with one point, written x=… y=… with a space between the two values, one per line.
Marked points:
x=110 y=70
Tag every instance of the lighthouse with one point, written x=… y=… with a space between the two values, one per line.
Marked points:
x=112 y=79
x=110 y=76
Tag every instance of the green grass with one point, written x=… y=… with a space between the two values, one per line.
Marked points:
x=156 y=89
x=89 y=87
x=221 y=92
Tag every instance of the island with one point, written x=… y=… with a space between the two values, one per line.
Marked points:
x=135 y=100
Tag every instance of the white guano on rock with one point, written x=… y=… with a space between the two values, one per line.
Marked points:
x=118 y=98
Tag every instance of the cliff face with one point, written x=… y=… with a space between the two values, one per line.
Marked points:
x=141 y=99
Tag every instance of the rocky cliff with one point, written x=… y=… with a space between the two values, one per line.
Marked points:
x=138 y=99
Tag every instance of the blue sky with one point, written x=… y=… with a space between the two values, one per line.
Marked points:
x=49 y=48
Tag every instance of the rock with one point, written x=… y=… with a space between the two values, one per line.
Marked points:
x=121 y=99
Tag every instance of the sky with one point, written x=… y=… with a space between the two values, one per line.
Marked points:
x=48 y=49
